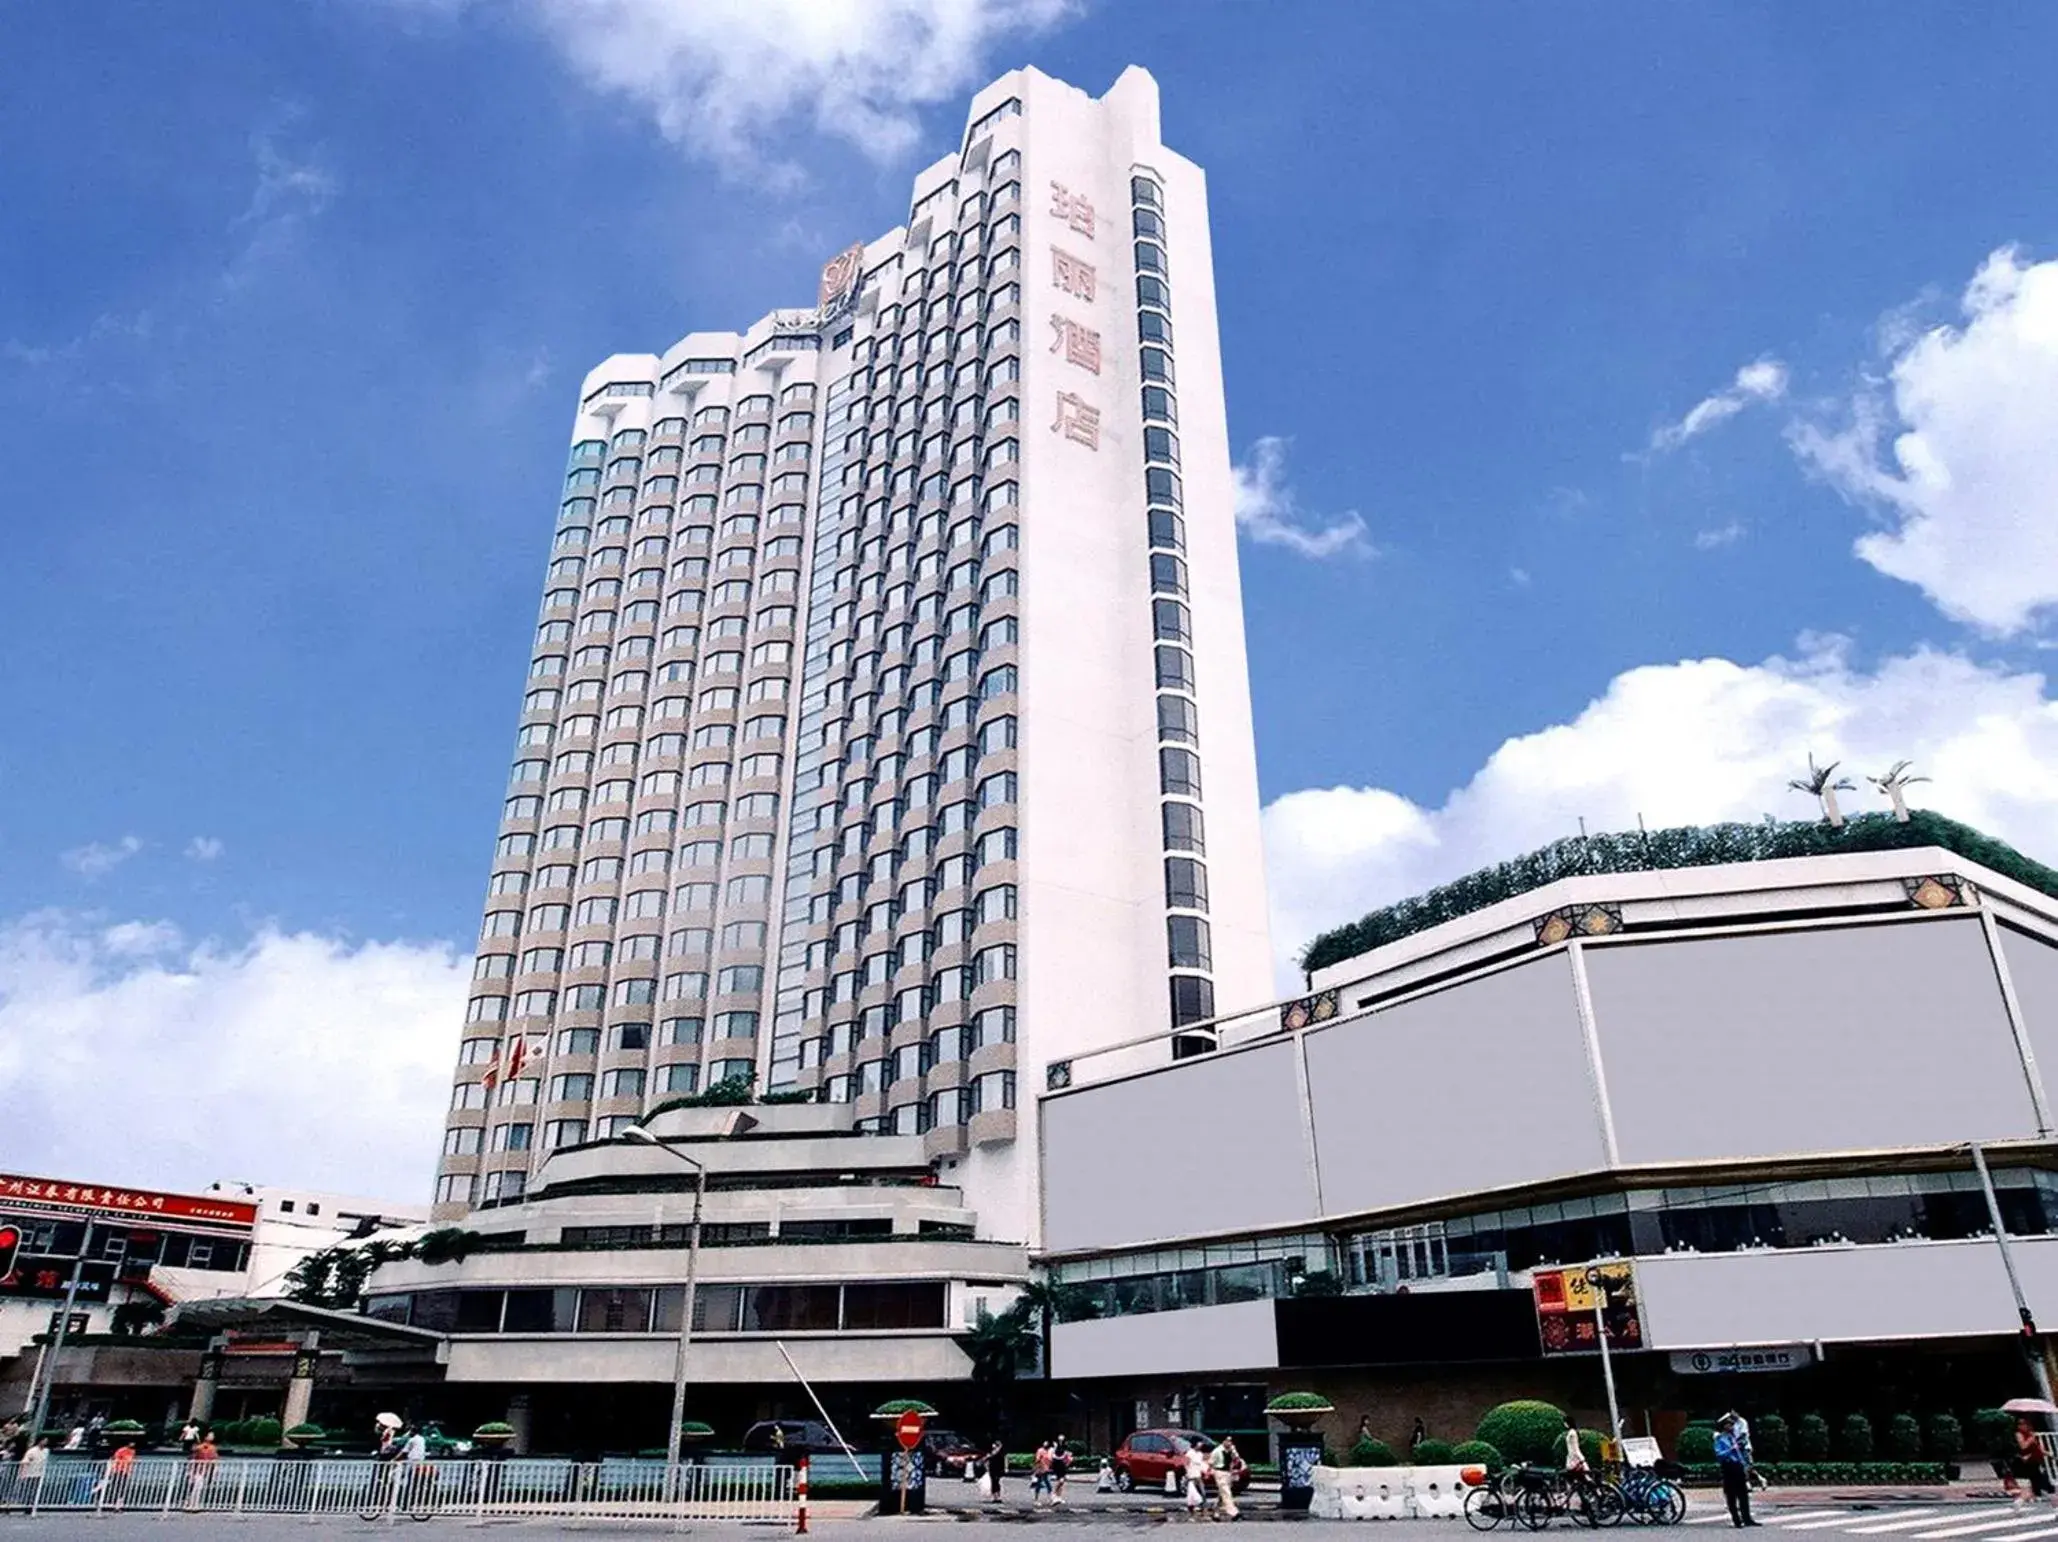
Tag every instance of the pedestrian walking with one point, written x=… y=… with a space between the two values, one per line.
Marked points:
x=1421 y=1434
x=1060 y=1469
x=1575 y=1454
x=189 y=1436
x=1736 y=1474
x=200 y=1469
x=1105 y=1483
x=996 y=1466
x=1196 y=1478
x=1040 y=1476
x=114 y=1488
x=2030 y=1465
x=1226 y=1460
x=76 y=1440
x=28 y=1474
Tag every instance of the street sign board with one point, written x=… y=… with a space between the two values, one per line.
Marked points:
x=907 y=1429
x=1565 y=1301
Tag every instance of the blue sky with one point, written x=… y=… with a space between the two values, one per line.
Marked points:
x=293 y=308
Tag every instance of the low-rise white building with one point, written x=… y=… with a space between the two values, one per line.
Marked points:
x=825 y=1255
x=1755 y=1083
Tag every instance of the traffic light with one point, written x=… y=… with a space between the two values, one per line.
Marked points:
x=10 y=1244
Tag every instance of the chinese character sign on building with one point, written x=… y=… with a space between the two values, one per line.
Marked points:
x=1075 y=209
x=1565 y=1302
x=54 y=1196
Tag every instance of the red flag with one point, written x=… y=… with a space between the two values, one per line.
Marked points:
x=492 y=1077
x=517 y=1055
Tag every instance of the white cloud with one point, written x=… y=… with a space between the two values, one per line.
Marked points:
x=204 y=848
x=722 y=78
x=1719 y=536
x=1687 y=743
x=1958 y=449
x=1761 y=381
x=129 y=1056
x=108 y=327
x=98 y=858
x=291 y=191
x=1268 y=513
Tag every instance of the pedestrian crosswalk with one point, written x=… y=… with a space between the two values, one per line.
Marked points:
x=1915 y=1523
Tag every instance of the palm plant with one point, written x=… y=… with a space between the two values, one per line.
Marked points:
x=1823 y=782
x=1895 y=783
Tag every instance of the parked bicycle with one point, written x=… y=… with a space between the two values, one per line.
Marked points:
x=1533 y=1497
x=1653 y=1496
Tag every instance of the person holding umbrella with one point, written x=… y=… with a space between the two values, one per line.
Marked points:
x=2031 y=1465
x=387 y=1427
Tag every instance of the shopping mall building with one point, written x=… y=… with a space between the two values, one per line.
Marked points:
x=1756 y=1082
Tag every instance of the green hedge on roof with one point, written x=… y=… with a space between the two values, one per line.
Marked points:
x=1637 y=851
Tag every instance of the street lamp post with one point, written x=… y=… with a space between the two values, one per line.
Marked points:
x=682 y=1353
x=737 y=1122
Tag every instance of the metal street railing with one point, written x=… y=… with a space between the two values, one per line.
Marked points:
x=515 y=1488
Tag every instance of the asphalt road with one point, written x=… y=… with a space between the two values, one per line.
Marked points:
x=1836 y=1520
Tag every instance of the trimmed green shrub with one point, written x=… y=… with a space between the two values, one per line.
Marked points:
x=1477 y=1453
x=1524 y=1431
x=306 y=1431
x=1696 y=1444
x=493 y=1427
x=1831 y=1472
x=893 y=1408
x=248 y=1432
x=1903 y=1438
x=1371 y=1453
x=1993 y=1433
x=1299 y=1402
x=1771 y=1441
x=1432 y=1453
x=124 y=1427
x=1639 y=851
x=1811 y=1437
x=1943 y=1437
x=1854 y=1439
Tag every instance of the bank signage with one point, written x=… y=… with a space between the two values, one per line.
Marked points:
x=1759 y=1357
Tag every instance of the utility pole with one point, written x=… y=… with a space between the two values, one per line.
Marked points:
x=2032 y=1344
x=1597 y=1278
x=49 y=1366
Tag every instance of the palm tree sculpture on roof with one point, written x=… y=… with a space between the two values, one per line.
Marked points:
x=1823 y=782
x=1895 y=783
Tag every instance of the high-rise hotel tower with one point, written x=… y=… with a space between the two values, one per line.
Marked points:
x=887 y=730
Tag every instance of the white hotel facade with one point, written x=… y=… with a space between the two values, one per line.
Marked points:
x=888 y=729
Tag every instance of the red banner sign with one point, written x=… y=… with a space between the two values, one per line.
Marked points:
x=57 y=1196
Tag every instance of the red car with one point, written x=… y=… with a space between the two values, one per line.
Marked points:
x=1143 y=1459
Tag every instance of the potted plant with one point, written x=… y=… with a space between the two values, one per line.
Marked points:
x=1300 y=1449
x=691 y=1430
x=893 y=1408
x=1299 y=1410
x=493 y=1435
x=903 y=1477
x=302 y=1436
